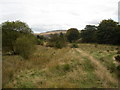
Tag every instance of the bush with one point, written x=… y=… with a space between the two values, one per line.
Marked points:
x=57 y=41
x=118 y=67
x=66 y=67
x=25 y=45
x=58 y=44
x=117 y=58
x=118 y=52
x=49 y=44
x=74 y=45
x=96 y=45
x=40 y=42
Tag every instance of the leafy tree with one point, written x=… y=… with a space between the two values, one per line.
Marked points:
x=9 y=35
x=16 y=26
x=72 y=34
x=0 y=37
x=108 y=32
x=11 y=31
x=88 y=35
x=117 y=36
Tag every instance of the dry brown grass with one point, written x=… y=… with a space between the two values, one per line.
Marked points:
x=56 y=68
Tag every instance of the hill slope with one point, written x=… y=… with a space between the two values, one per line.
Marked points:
x=51 y=32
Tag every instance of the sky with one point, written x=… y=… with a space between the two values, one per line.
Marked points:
x=47 y=15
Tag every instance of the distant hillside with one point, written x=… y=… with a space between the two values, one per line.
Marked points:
x=51 y=32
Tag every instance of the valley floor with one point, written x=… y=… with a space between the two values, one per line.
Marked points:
x=89 y=66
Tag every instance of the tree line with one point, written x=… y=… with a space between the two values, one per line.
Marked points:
x=107 y=32
x=19 y=39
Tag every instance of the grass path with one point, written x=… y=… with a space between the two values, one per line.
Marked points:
x=100 y=71
x=59 y=68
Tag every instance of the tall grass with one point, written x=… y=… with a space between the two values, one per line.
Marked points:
x=56 y=68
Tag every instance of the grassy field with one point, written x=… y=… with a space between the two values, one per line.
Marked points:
x=89 y=66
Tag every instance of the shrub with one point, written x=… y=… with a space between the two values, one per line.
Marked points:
x=58 y=44
x=66 y=67
x=118 y=67
x=117 y=58
x=41 y=37
x=25 y=46
x=96 y=45
x=25 y=85
x=49 y=44
x=74 y=45
x=57 y=41
x=40 y=42
x=118 y=52
x=112 y=68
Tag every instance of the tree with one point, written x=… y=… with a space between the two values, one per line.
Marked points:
x=9 y=35
x=16 y=26
x=0 y=37
x=117 y=35
x=88 y=35
x=72 y=34
x=107 y=32
x=11 y=31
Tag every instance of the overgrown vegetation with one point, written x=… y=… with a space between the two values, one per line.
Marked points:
x=57 y=41
x=74 y=45
x=41 y=39
x=17 y=38
x=107 y=32
x=50 y=68
x=59 y=60
x=25 y=46
x=117 y=58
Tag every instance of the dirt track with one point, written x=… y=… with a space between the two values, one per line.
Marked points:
x=100 y=69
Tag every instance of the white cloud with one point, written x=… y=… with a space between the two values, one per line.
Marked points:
x=58 y=14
